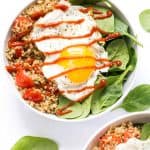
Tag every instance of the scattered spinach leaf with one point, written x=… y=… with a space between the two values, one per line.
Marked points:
x=76 y=108
x=138 y=99
x=118 y=50
x=35 y=143
x=145 y=133
x=144 y=18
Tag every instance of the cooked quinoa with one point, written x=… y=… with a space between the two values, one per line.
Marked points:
x=25 y=60
x=117 y=135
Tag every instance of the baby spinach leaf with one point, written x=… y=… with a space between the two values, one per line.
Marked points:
x=92 y=1
x=76 y=108
x=86 y=106
x=144 y=18
x=35 y=143
x=133 y=38
x=86 y=1
x=118 y=50
x=145 y=134
x=111 y=95
x=138 y=99
x=76 y=2
x=133 y=59
x=95 y=106
x=102 y=99
x=122 y=28
x=106 y=24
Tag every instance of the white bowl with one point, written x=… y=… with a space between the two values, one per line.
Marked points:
x=140 y=117
x=126 y=88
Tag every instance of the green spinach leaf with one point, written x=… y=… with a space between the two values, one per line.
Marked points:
x=106 y=24
x=106 y=97
x=86 y=107
x=102 y=99
x=122 y=28
x=138 y=99
x=133 y=59
x=118 y=50
x=144 y=18
x=93 y=1
x=76 y=108
x=76 y=2
x=86 y=1
x=145 y=134
x=35 y=143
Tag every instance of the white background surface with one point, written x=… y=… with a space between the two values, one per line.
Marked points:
x=17 y=121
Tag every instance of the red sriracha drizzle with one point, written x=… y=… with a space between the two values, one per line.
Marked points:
x=61 y=7
x=23 y=80
x=33 y=95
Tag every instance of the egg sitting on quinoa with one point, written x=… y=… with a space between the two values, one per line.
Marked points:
x=67 y=38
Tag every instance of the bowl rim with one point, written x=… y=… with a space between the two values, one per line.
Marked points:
x=51 y=116
x=114 y=122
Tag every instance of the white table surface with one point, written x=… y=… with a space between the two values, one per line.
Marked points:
x=17 y=121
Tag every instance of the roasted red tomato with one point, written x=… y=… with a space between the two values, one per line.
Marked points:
x=23 y=80
x=33 y=95
x=22 y=25
x=37 y=14
x=12 y=44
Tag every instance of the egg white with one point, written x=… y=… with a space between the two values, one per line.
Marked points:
x=64 y=29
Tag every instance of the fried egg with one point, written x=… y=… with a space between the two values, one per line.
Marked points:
x=69 y=48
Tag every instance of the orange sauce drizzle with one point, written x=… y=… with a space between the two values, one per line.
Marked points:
x=94 y=29
x=61 y=7
x=82 y=89
x=109 y=64
x=103 y=16
x=85 y=10
x=95 y=11
x=54 y=24
x=75 y=57
x=112 y=36
x=88 y=44
x=80 y=68
x=63 y=111
x=102 y=40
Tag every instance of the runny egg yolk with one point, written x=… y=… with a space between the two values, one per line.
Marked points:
x=82 y=75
